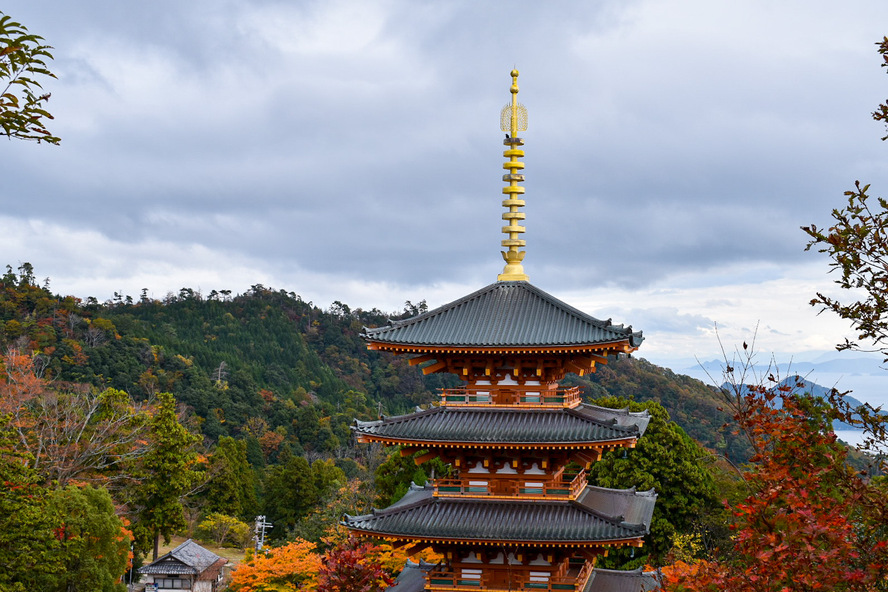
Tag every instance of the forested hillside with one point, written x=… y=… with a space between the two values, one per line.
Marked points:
x=268 y=357
x=266 y=386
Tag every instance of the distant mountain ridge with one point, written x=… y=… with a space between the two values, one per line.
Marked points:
x=866 y=378
x=849 y=365
x=801 y=385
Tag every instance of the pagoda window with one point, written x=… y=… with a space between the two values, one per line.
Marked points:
x=479 y=396
x=470 y=577
x=534 y=470
x=472 y=558
x=514 y=560
x=539 y=579
x=478 y=468
x=498 y=559
x=540 y=560
x=477 y=487
x=507 y=469
x=533 y=488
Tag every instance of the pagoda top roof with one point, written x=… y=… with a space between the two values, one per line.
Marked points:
x=419 y=514
x=583 y=424
x=504 y=314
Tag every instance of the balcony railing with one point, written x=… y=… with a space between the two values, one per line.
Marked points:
x=525 y=486
x=486 y=396
x=444 y=578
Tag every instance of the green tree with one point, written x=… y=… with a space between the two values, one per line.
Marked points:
x=290 y=493
x=166 y=476
x=231 y=489
x=95 y=545
x=355 y=497
x=327 y=477
x=669 y=461
x=29 y=549
x=393 y=477
x=61 y=540
x=225 y=530
x=23 y=58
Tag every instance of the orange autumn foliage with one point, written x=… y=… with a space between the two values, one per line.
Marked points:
x=292 y=567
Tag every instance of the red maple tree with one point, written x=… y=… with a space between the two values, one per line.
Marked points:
x=353 y=567
x=810 y=522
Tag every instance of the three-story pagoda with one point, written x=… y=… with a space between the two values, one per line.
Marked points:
x=516 y=512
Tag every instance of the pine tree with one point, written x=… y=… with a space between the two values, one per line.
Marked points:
x=167 y=475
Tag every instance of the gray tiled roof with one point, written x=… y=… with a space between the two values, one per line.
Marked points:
x=412 y=577
x=169 y=566
x=621 y=417
x=626 y=505
x=612 y=580
x=487 y=425
x=555 y=521
x=504 y=314
x=187 y=558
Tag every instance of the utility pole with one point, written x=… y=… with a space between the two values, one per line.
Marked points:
x=261 y=527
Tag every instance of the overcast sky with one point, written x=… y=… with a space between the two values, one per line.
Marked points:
x=351 y=150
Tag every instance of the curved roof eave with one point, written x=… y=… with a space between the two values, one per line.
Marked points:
x=503 y=315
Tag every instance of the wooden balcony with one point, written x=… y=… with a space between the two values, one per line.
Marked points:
x=493 y=486
x=510 y=396
x=442 y=579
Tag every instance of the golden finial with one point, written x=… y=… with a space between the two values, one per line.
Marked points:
x=513 y=119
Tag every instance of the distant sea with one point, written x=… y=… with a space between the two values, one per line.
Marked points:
x=864 y=376
x=850 y=437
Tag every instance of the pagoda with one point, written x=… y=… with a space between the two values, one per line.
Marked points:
x=516 y=511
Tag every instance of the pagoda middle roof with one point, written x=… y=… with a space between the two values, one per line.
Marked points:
x=420 y=514
x=583 y=424
x=504 y=314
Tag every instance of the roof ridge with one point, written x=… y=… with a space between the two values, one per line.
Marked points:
x=615 y=520
x=494 y=316
x=395 y=508
x=612 y=423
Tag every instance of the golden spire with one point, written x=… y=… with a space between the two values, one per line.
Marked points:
x=513 y=119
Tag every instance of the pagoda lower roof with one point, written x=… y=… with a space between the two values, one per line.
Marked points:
x=423 y=516
x=614 y=580
x=584 y=424
x=412 y=579
x=504 y=315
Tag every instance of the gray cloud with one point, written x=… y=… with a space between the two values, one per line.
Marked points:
x=360 y=140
